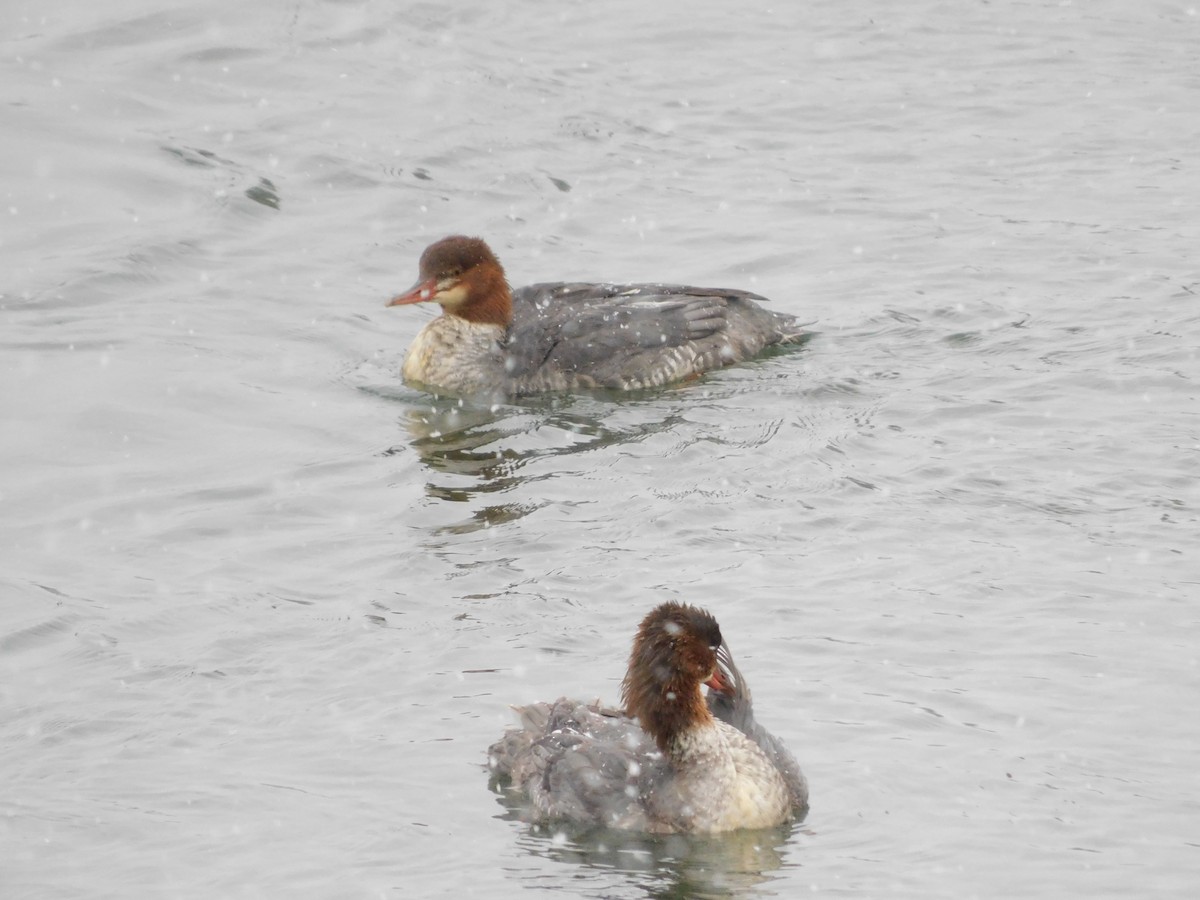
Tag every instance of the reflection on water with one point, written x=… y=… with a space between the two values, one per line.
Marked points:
x=472 y=452
x=666 y=865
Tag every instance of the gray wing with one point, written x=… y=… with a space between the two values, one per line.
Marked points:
x=634 y=335
x=581 y=763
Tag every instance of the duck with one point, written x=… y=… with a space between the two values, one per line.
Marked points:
x=662 y=763
x=557 y=337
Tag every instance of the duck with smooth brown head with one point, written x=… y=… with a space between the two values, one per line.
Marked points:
x=463 y=276
x=493 y=341
x=664 y=764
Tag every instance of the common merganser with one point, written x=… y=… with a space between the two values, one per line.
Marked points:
x=730 y=701
x=663 y=765
x=561 y=337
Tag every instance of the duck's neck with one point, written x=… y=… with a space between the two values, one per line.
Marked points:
x=673 y=715
x=490 y=300
x=700 y=747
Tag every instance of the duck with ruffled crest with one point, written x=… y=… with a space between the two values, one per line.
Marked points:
x=664 y=763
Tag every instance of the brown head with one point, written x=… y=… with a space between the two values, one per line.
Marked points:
x=674 y=653
x=464 y=276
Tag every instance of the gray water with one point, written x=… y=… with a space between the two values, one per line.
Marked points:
x=263 y=607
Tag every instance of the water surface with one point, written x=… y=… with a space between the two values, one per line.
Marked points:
x=262 y=606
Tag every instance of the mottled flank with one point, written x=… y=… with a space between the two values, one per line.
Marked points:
x=562 y=337
x=662 y=765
